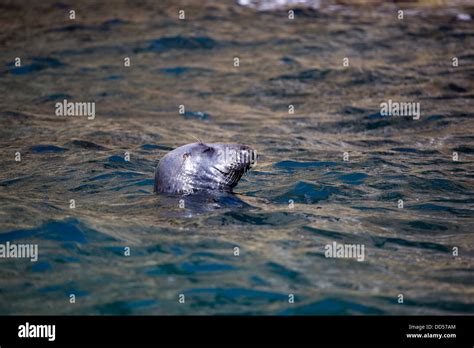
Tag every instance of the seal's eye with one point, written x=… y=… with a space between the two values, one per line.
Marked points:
x=208 y=149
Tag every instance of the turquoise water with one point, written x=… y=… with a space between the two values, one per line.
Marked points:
x=190 y=251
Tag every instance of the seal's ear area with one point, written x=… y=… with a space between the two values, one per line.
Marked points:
x=186 y=155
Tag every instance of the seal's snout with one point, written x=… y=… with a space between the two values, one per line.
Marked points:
x=240 y=157
x=248 y=155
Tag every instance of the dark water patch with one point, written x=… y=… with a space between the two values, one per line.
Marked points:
x=66 y=259
x=179 y=70
x=375 y=115
x=305 y=12
x=413 y=93
x=49 y=289
x=431 y=118
x=436 y=185
x=68 y=230
x=289 y=61
x=450 y=97
x=183 y=70
x=60 y=5
x=113 y=78
x=464 y=149
x=395 y=59
x=146 y=182
x=453 y=200
x=257 y=281
x=104 y=26
x=306 y=75
x=441 y=208
x=467 y=57
x=286 y=273
x=89 y=51
x=158 y=248
x=387 y=194
x=38 y=64
x=176 y=250
x=423 y=225
x=455 y=88
x=198 y=267
x=330 y=234
x=237 y=294
x=213 y=18
x=72 y=28
x=319 y=255
x=352 y=110
x=375 y=125
x=117 y=159
x=173 y=269
x=155 y=147
x=66 y=288
x=312 y=49
x=124 y=307
x=210 y=255
x=116 y=174
x=198 y=115
x=305 y=192
x=111 y=24
x=383 y=242
x=88 y=145
x=365 y=124
x=173 y=249
x=332 y=307
x=181 y=43
x=47 y=148
x=14 y=116
x=378 y=161
x=280 y=92
x=13 y=181
x=374 y=77
x=296 y=164
x=90 y=188
x=41 y=266
x=353 y=178
x=55 y=97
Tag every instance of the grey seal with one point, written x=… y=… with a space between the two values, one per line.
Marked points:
x=200 y=167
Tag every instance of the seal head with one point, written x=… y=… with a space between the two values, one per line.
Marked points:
x=199 y=167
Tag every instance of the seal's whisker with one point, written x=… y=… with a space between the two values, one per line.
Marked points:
x=198 y=139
